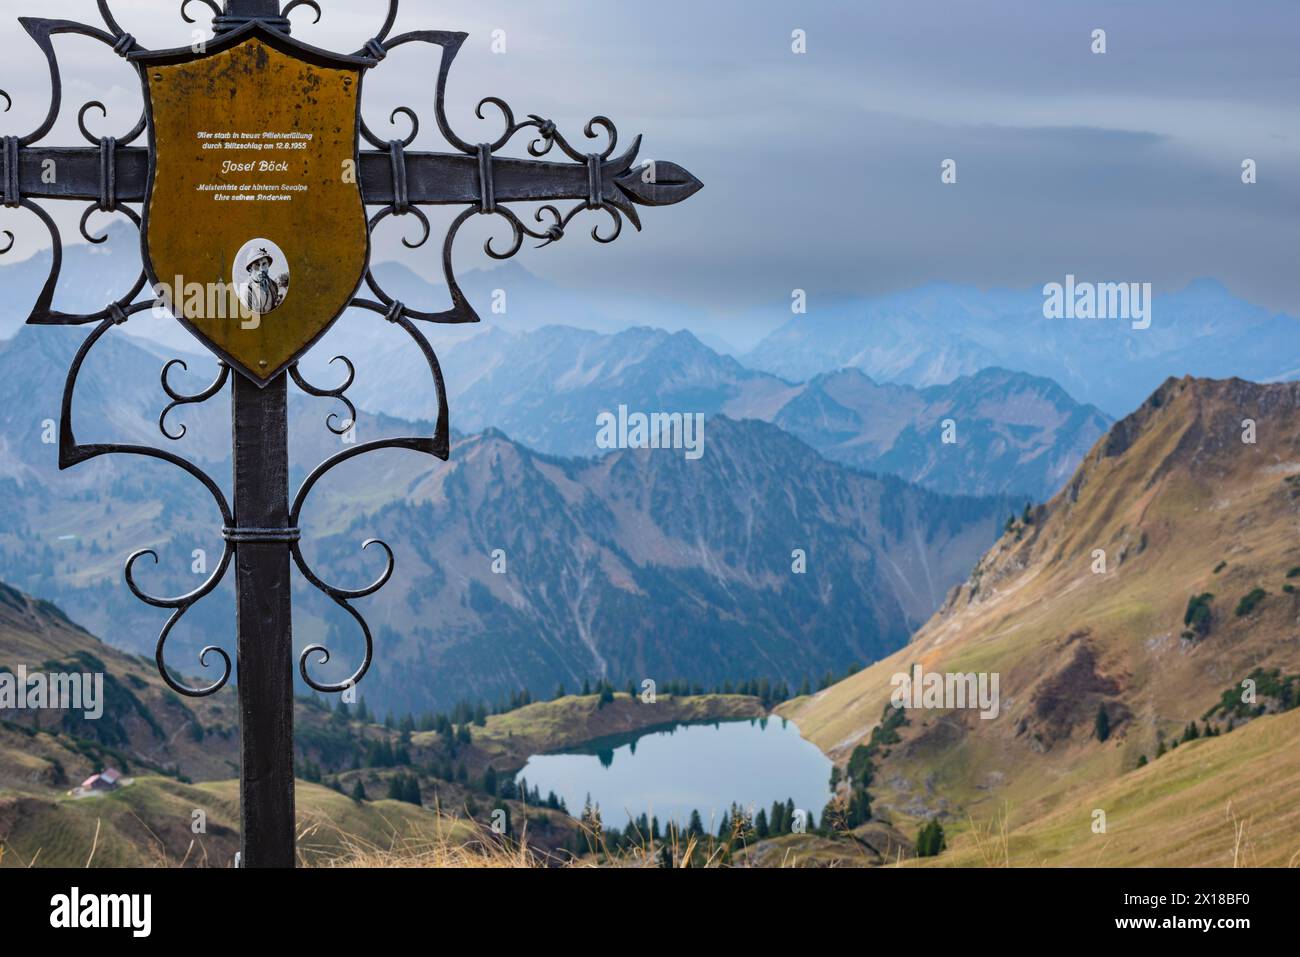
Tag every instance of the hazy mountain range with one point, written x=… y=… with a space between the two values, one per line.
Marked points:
x=637 y=564
x=1012 y=432
x=940 y=331
x=925 y=336
x=545 y=385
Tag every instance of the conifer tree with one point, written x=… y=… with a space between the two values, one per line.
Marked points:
x=930 y=839
x=776 y=820
x=1103 y=723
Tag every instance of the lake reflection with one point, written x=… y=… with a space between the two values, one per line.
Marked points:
x=668 y=772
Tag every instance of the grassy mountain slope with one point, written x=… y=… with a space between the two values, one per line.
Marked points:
x=144 y=726
x=1216 y=802
x=150 y=824
x=1182 y=507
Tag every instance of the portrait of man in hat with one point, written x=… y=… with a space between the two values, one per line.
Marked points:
x=262 y=290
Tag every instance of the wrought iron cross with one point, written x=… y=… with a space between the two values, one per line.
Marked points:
x=261 y=530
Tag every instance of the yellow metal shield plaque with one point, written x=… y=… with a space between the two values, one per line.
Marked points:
x=255 y=232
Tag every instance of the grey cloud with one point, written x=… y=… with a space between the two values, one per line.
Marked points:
x=822 y=171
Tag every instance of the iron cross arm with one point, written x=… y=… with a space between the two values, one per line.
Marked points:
x=431 y=179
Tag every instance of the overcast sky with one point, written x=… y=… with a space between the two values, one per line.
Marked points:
x=822 y=170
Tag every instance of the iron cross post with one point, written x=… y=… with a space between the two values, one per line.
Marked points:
x=342 y=193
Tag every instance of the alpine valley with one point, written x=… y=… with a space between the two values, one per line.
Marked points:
x=928 y=486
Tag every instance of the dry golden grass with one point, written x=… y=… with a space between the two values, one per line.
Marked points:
x=991 y=838
x=436 y=848
x=450 y=842
x=1217 y=802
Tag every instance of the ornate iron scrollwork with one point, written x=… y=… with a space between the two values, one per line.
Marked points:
x=598 y=181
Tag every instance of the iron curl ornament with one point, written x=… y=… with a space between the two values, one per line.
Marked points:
x=119 y=176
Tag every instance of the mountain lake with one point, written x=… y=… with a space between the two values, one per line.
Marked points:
x=667 y=772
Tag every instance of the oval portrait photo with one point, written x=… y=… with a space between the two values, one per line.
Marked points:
x=262 y=276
